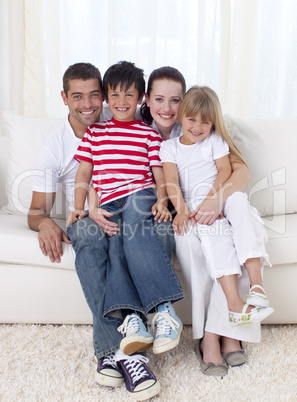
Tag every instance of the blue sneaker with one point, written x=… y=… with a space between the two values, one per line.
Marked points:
x=137 y=338
x=139 y=380
x=169 y=328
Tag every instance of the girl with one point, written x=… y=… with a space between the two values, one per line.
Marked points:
x=196 y=168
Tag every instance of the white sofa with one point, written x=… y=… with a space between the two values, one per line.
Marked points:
x=34 y=290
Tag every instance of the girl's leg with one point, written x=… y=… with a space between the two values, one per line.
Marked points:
x=229 y=286
x=253 y=266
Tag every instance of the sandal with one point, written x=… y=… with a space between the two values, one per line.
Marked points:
x=211 y=369
x=257 y=299
x=257 y=314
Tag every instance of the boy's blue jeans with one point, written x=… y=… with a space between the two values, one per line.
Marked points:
x=92 y=264
x=148 y=273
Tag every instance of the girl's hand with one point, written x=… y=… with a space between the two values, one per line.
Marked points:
x=180 y=223
x=75 y=216
x=161 y=212
x=207 y=212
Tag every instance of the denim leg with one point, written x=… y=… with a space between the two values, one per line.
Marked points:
x=120 y=289
x=91 y=262
x=165 y=234
x=149 y=266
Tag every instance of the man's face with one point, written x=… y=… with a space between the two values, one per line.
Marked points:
x=84 y=100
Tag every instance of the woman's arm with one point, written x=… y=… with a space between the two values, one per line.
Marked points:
x=211 y=208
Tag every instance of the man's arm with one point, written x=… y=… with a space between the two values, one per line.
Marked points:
x=50 y=235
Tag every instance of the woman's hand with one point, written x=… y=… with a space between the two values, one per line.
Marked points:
x=208 y=211
x=161 y=212
x=180 y=223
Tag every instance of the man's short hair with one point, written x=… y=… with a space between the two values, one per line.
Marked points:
x=124 y=74
x=80 y=71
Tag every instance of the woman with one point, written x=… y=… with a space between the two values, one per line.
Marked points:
x=220 y=343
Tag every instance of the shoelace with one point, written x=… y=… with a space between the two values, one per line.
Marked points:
x=134 y=365
x=110 y=361
x=130 y=325
x=165 y=323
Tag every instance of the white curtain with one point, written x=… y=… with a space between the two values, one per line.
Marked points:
x=243 y=49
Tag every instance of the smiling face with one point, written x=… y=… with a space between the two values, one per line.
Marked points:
x=123 y=102
x=84 y=100
x=164 y=102
x=195 y=129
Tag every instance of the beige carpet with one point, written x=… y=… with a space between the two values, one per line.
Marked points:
x=55 y=363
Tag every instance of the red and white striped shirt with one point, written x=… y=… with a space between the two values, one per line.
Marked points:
x=122 y=154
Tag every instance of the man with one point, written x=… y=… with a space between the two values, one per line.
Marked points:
x=82 y=93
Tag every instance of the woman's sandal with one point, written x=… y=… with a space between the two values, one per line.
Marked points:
x=236 y=358
x=211 y=369
x=257 y=314
x=257 y=299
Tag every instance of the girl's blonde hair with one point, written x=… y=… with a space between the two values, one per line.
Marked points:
x=205 y=100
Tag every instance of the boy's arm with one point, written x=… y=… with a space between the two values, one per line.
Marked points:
x=180 y=223
x=159 y=209
x=82 y=183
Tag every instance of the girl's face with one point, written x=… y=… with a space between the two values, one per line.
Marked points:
x=195 y=129
x=164 y=102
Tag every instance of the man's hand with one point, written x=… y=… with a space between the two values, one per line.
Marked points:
x=207 y=212
x=161 y=212
x=50 y=237
x=100 y=216
x=180 y=223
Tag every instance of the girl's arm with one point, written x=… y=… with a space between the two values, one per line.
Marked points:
x=237 y=182
x=82 y=183
x=159 y=209
x=180 y=222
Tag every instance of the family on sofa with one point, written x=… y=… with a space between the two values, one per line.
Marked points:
x=114 y=277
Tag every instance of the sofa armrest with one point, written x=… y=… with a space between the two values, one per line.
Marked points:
x=3 y=169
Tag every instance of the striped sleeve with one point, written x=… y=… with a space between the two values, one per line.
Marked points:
x=84 y=150
x=155 y=141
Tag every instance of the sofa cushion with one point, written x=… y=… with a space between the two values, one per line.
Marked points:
x=269 y=147
x=25 y=135
x=19 y=244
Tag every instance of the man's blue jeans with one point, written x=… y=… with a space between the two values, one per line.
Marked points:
x=149 y=267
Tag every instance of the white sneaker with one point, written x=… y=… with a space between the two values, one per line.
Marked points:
x=257 y=299
x=257 y=314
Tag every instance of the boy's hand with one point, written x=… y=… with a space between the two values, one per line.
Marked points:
x=75 y=216
x=180 y=223
x=161 y=212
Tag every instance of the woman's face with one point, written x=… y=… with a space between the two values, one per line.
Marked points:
x=164 y=102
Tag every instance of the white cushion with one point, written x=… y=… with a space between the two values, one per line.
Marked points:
x=25 y=135
x=19 y=245
x=269 y=147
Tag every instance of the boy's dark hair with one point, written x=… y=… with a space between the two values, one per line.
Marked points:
x=126 y=74
x=81 y=71
x=162 y=73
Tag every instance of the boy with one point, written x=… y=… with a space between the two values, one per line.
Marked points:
x=121 y=157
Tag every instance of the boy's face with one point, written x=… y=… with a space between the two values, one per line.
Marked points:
x=123 y=103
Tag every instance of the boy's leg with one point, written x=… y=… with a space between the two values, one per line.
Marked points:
x=149 y=266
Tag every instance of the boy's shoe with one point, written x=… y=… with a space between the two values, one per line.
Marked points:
x=257 y=314
x=140 y=381
x=108 y=372
x=169 y=328
x=257 y=299
x=137 y=338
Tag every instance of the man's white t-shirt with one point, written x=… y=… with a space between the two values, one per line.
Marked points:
x=55 y=161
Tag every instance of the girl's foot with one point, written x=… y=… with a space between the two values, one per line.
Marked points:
x=257 y=298
x=256 y=314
